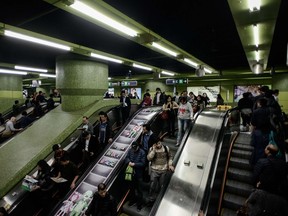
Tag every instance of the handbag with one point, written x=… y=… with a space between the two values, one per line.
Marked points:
x=273 y=142
x=164 y=115
x=129 y=172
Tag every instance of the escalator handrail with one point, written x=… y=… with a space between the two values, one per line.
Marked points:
x=226 y=171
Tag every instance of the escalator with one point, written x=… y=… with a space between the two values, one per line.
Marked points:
x=107 y=167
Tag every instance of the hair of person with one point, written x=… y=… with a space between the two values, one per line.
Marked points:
x=147 y=126
x=158 y=89
x=16 y=101
x=43 y=165
x=85 y=117
x=166 y=99
x=65 y=157
x=102 y=186
x=276 y=91
x=246 y=94
x=122 y=91
x=51 y=95
x=158 y=139
x=56 y=147
x=85 y=134
x=103 y=113
x=24 y=113
x=184 y=99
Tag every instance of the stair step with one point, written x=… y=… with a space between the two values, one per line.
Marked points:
x=240 y=175
x=240 y=163
x=227 y=212
x=241 y=153
x=238 y=188
x=132 y=210
x=244 y=138
x=233 y=202
x=242 y=146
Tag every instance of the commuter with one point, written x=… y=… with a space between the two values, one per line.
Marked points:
x=176 y=97
x=40 y=97
x=105 y=133
x=103 y=204
x=38 y=111
x=261 y=202
x=158 y=98
x=185 y=115
x=148 y=138
x=28 y=102
x=260 y=122
x=170 y=106
x=191 y=97
x=206 y=99
x=3 y=212
x=147 y=101
x=2 y=121
x=270 y=172
x=200 y=102
x=25 y=120
x=68 y=171
x=58 y=153
x=276 y=94
x=16 y=108
x=161 y=162
x=10 y=129
x=219 y=100
x=125 y=104
x=245 y=106
x=50 y=102
x=146 y=92
x=88 y=146
x=136 y=158
x=86 y=126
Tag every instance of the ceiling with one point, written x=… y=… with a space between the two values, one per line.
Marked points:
x=212 y=32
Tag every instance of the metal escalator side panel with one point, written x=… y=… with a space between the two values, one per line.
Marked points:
x=186 y=188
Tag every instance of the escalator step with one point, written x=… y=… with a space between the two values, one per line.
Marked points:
x=240 y=163
x=244 y=138
x=238 y=188
x=227 y=212
x=242 y=146
x=240 y=175
x=241 y=153
x=233 y=202
x=132 y=210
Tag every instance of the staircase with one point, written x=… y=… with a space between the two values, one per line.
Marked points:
x=239 y=176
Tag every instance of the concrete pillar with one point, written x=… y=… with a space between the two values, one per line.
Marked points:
x=11 y=86
x=81 y=81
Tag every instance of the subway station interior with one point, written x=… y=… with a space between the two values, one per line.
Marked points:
x=86 y=52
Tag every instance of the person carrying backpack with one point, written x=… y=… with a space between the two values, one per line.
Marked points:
x=161 y=162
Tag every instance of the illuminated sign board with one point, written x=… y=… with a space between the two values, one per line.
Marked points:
x=176 y=81
x=129 y=83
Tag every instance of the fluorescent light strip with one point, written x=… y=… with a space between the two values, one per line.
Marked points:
x=254 y=5
x=36 y=40
x=256 y=35
x=142 y=67
x=170 y=52
x=195 y=65
x=167 y=73
x=85 y=9
x=30 y=69
x=257 y=55
x=48 y=75
x=106 y=58
x=207 y=70
x=109 y=78
x=5 y=71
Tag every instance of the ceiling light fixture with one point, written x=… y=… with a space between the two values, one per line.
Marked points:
x=194 y=64
x=35 y=40
x=167 y=73
x=5 y=71
x=18 y=67
x=109 y=78
x=207 y=70
x=256 y=34
x=91 y=12
x=254 y=5
x=48 y=75
x=158 y=46
x=106 y=58
x=142 y=67
x=257 y=55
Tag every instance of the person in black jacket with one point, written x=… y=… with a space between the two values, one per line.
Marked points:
x=105 y=133
x=103 y=204
x=136 y=158
x=245 y=106
x=125 y=104
x=89 y=147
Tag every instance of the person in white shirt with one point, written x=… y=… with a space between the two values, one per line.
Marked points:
x=9 y=128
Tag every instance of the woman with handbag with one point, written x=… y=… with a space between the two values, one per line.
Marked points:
x=169 y=108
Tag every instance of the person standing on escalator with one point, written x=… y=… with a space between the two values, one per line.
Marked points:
x=104 y=132
x=125 y=106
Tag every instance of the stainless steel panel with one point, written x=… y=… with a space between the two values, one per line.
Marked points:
x=186 y=188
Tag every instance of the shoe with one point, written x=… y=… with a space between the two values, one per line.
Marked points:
x=177 y=145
